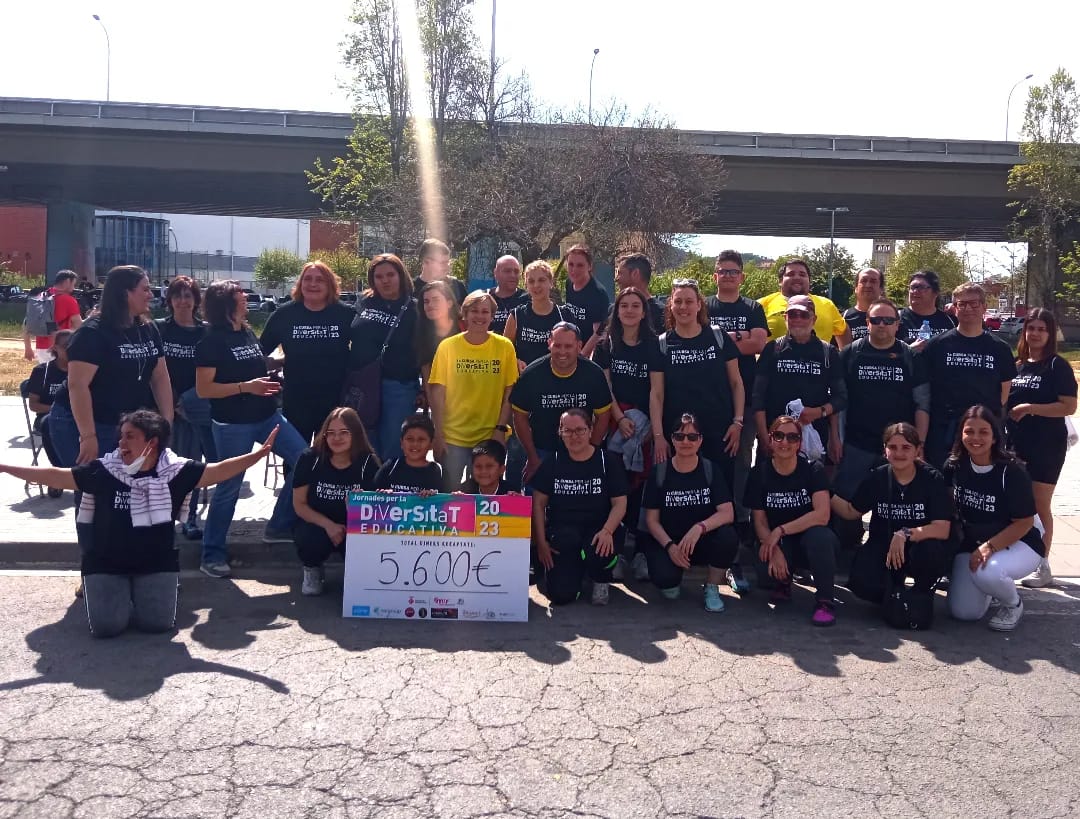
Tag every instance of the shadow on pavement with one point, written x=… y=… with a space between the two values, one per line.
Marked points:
x=128 y=667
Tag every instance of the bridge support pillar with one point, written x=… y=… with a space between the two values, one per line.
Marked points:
x=69 y=238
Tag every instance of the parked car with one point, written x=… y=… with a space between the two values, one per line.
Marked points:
x=261 y=304
x=348 y=298
x=992 y=322
x=1011 y=327
x=12 y=292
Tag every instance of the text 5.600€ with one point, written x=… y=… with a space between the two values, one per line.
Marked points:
x=446 y=568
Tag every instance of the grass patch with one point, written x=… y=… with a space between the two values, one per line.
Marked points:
x=14 y=369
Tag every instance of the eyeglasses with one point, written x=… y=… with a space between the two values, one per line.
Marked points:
x=790 y=437
x=573 y=430
x=918 y=287
x=972 y=304
x=338 y=433
x=686 y=436
x=888 y=321
x=801 y=314
x=728 y=271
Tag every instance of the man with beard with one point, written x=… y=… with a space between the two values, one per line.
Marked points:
x=795 y=281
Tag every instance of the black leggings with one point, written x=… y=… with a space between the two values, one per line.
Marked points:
x=576 y=559
x=925 y=562
x=313 y=544
x=717 y=549
x=813 y=549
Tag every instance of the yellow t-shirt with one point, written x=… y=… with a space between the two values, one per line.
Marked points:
x=827 y=323
x=475 y=377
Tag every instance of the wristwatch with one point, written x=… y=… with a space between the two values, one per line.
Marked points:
x=668 y=545
x=906 y=531
x=502 y=428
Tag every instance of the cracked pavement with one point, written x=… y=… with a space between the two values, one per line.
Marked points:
x=265 y=703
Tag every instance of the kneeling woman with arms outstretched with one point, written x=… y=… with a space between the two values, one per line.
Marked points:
x=996 y=507
x=688 y=515
x=579 y=501
x=911 y=514
x=342 y=461
x=131 y=497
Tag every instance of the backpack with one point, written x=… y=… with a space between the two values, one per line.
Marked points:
x=718 y=334
x=661 y=472
x=41 y=314
x=784 y=343
x=907 y=608
x=857 y=346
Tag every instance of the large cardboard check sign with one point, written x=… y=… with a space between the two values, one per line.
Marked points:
x=444 y=557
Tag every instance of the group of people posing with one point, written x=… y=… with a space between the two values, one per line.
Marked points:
x=632 y=425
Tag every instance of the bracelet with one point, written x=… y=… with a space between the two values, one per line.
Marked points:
x=239 y=387
x=737 y=421
x=658 y=435
x=783 y=531
x=704 y=528
x=670 y=543
x=87 y=437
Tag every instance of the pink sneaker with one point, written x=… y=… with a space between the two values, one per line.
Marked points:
x=823 y=614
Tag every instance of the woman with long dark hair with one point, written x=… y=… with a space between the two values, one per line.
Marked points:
x=180 y=332
x=231 y=371
x=910 y=519
x=996 y=507
x=440 y=318
x=1042 y=395
x=789 y=499
x=313 y=333
x=116 y=364
x=382 y=342
x=341 y=461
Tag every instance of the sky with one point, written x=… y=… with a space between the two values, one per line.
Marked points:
x=917 y=69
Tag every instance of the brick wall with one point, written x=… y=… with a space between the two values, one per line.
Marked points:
x=22 y=232
x=327 y=235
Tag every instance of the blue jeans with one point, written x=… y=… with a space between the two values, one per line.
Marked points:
x=238 y=439
x=398 y=403
x=456 y=462
x=196 y=411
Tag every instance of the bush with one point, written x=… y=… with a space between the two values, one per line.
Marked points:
x=349 y=267
x=277 y=267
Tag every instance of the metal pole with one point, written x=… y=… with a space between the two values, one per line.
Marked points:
x=832 y=248
x=1008 y=104
x=108 y=60
x=491 y=68
x=595 y=51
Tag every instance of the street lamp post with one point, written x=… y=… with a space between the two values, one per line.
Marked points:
x=595 y=51
x=108 y=60
x=176 y=253
x=832 y=240
x=1008 y=104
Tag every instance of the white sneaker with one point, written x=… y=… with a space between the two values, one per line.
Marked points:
x=599 y=594
x=1007 y=617
x=1040 y=578
x=313 y=581
x=640 y=566
x=618 y=571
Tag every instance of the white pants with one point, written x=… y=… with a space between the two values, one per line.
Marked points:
x=970 y=592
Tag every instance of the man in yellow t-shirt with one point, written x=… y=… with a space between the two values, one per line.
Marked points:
x=469 y=388
x=795 y=281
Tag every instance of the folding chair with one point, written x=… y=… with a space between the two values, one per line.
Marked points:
x=34 y=434
x=277 y=466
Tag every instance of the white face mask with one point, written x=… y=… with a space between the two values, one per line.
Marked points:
x=133 y=467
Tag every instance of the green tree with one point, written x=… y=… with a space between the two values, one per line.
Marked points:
x=344 y=261
x=1069 y=294
x=694 y=266
x=922 y=254
x=277 y=267
x=818 y=258
x=759 y=281
x=1048 y=180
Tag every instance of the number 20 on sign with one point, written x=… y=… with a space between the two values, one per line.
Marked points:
x=444 y=557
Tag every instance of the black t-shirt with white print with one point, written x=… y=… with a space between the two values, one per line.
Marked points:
x=784 y=498
x=685 y=497
x=125 y=361
x=328 y=486
x=235 y=356
x=989 y=501
x=116 y=546
x=696 y=379
x=533 y=330
x=808 y=370
x=911 y=322
x=856 y=322
x=316 y=346
x=741 y=316
x=966 y=370
x=504 y=307
x=398 y=476
x=879 y=390
x=580 y=492
x=470 y=487
x=893 y=506
x=588 y=306
x=374 y=319
x=46 y=381
x=545 y=396
x=630 y=367
x=1040 y=382
x=179 y=344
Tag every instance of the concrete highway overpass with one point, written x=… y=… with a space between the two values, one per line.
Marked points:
x=76 y=155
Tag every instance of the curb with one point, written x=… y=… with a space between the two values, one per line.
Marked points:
x=243 y=552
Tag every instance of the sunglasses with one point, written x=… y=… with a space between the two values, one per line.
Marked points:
x=802 y=314
x=790 y=437
x=728 y=271
x=888 y=321
x=686 y=436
